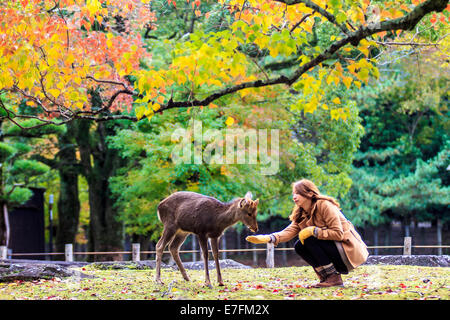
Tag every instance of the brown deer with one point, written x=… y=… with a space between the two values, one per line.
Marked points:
x=184 y=212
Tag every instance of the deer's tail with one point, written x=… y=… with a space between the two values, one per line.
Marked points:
x=162 y=209
x=159 y=217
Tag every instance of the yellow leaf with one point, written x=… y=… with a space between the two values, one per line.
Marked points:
x=229 y=121
x=156 y=106
x=311 y=106
x=347 y=81
x=54 y=92
x=336 y=100
x=329 y=79
x=334 y=114
x=70 y=59
x=273 y=52
x=358 y=84
x=336 y=80
x=140 y=112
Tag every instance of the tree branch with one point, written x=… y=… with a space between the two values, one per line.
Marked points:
x=407 y=22
x=318 y=9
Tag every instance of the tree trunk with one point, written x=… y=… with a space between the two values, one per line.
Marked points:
x=284 y=255
x=439 y=235
x=407 y=222
x=194 y=248
x=238 y=241
x=387 y=235
x=99 y=164
x=68 y=201
x=4 y=226
x=375 y=239
x=224 y=246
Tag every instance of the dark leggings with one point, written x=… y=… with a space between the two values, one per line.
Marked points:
x=320 y=253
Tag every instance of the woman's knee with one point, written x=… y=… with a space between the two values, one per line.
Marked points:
x=299 y=247
x=311 y=242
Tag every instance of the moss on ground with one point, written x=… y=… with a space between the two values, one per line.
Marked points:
x=366 y=282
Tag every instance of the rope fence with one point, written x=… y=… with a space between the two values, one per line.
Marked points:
x=136 y=252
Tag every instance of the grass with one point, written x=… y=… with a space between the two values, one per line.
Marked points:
x=366 y=282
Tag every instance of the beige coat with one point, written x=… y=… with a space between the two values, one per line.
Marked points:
x=332 y=225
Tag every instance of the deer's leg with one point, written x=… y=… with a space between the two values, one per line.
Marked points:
x=166 y=237
x=203 y=240
x=174 y=247
x=215 y=251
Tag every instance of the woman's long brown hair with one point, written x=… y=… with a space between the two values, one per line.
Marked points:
x=307 y=189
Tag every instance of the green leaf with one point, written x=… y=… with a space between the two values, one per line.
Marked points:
x=341 y=17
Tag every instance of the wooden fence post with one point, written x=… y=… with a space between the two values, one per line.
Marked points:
x=194 y=248
x=3 y=252
x=270 y=255
x=407 y=246
x=68 y=252
x=136 y=252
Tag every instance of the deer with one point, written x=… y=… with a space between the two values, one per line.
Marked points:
x=186 y=212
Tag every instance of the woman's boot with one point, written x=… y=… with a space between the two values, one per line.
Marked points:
x=331 y=281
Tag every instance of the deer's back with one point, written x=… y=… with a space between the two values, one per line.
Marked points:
x=191 y=212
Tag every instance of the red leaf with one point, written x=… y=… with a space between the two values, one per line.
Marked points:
x=433 y=19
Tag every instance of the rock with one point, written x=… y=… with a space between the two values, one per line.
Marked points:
x=30 y=272
x=134 y=265
x=413 y=260
x=151 y=264
x=60 y=263
x=226 y=263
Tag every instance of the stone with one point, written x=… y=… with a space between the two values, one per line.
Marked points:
x=412 y=260
x=30 y=272
x=224 y=264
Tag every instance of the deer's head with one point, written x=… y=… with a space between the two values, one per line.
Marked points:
x=247 y=211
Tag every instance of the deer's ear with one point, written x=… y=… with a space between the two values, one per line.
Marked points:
x=248 y=195
x=242 y=203
x=255 y=203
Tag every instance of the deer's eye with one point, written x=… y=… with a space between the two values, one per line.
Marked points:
x=249 y=214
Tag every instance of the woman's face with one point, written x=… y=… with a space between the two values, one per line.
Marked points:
x=300 y=200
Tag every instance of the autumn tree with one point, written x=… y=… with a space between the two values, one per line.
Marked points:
x=53 y=53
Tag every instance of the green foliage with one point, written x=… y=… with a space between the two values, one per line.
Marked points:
x=16 y=196
x=5 y=151
x=401 y=168
x=40 y=131
x=27 y=168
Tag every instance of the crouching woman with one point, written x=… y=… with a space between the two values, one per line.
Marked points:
x=327 y=240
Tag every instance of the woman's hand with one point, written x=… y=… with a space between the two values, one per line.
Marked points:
x=306 y=233
x=262 y=238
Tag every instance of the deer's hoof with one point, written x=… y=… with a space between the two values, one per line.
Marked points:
x=208 y=285
x=221 y=284
x=159 y=282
